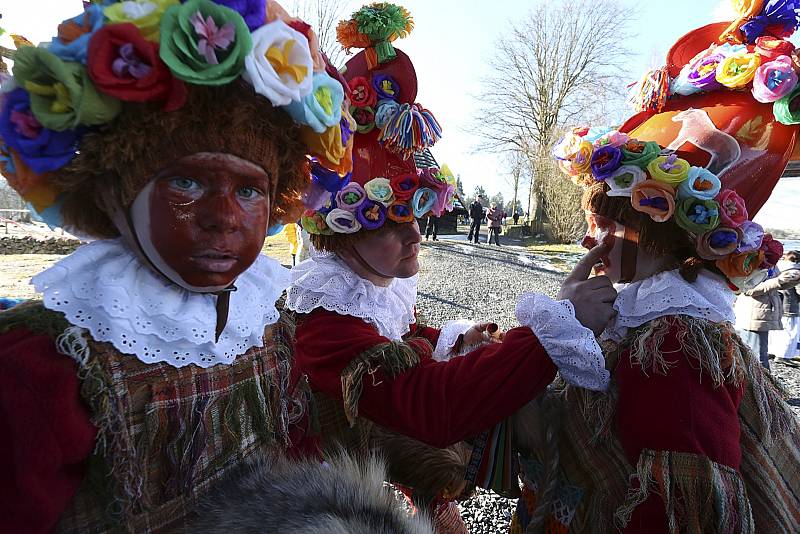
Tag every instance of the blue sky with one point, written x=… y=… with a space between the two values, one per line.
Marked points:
x=450 y=46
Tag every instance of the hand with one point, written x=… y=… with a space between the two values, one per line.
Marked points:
x=482 y=333
x=592 y=298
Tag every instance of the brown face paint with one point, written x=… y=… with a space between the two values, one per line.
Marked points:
x=208 y=217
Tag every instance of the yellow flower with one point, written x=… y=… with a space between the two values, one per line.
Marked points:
x=144 y=14
x=738 y=71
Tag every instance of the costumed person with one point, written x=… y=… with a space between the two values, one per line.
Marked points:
x=692 y=435
x=495 y=217
x=292 y=233
x=156 y=363
x=785 y=344
x=375 y=371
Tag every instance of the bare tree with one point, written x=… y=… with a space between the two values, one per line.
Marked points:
x=324 y=16
x=559 y=65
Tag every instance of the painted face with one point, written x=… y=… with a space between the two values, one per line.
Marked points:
x=208 y=216
x=611 y=233
x=392 y=251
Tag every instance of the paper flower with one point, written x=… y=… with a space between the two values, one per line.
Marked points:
x=444 y=200
x=351 y=196
x=703 y=74
x=327 y=146
x=385 y=86
x=605 y=160
x=314 y=223
x=322 y=108
x=204 y=43
x=404 y=186
x=74 y=34
x=400 y=212
x=144 y=14
x=423 y=201
x=380 y=190
x=62 y=95
x=778 y=18
x=385 y=112
x=681 y=85
x=124 y=65
x=33 y=187
x=595 y=132
x=770 y=48
x=364 y=117
x=342 y=221
x=752 y=236
x=252 y=11
x=329 y=180
x=670 y=170
x=733 y=210
x=567 y=147
x=718 y=243
x=697 y=216
x=622 y=180
x=774 y=80
x=361 y=92
x=581 y=162
x=656 y=199
x=785 y=109
x=40 y=148
x=639 y=154
x=772 y=249
x=701 y=184
x=371 y=215
x=737 y=71
x=432 y=179
x=740 y=265
x=613 y=138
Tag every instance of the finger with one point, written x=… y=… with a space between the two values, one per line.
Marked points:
x=483 y=327
x=583 y=269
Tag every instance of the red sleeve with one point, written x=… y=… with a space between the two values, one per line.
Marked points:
x=46 y=429
x=438 y=403
x=681 y=411
x=431 y=334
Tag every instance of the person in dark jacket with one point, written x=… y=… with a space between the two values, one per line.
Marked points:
x=785 y=344
x=476 y=213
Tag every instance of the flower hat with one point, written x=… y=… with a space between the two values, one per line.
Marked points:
x=389 y=128
x=117 y=55
x=713 y=134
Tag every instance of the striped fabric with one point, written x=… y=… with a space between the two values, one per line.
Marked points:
x=168 y=435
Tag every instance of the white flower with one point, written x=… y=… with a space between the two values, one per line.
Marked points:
x=342 y=221
x=380 y=190
x=280 y=65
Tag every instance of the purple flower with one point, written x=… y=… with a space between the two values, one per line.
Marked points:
x=605 y=160
x=212 y=38
x=386 y=87
x=252 y=11
x=704 y=73
x=752 y=236
x=722 y=238
x=371 y=214
x=778 y=18
x=129 y=64
x=40 y=148
x=328 y=179
x=344 y=125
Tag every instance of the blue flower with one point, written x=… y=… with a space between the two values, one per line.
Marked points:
x=40 y=148
x=254 y=12
x=322 y=108
x=73 y=35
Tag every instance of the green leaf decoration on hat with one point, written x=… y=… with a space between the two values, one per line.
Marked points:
x=383 y=23
x=62 y=94
x=204 y=43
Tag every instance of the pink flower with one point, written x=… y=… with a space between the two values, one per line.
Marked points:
x=213 y=38
x=772 y=249
x=733 y=211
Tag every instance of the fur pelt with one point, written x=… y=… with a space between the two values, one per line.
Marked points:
x=342 y=496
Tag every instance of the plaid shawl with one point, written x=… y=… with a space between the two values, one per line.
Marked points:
x=577 y=478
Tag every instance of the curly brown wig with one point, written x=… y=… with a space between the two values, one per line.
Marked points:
x=117 y=161
x=661 y=239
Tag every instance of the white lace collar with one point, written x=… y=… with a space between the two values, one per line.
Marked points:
x=325 y=281
x=667 y=293
x=104 y=288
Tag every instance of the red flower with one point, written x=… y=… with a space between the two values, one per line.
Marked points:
x=404 y=186
x=124 y=65
x=773 y=250
x=362 y=92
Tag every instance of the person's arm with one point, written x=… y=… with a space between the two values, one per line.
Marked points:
x=46 y=429
x=677 y=420
x=782 y=281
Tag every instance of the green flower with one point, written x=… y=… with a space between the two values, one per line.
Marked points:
x=204 y=43
x=62 y=94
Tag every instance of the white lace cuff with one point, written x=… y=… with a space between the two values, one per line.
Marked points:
x=448 y=337
x=570 y=345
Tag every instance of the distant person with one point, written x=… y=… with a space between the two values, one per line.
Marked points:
x=759 y=311
x=515 y=217
x=785 y=344
x=476 y=213
x=432 y=225
x=495 y=216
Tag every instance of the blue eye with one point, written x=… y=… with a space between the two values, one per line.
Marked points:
x=249 y=193
x=184 y=184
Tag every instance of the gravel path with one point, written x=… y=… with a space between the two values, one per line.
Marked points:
x=482 y=282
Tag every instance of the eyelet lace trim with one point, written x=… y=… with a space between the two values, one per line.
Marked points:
x=448 y=336
x=570 y=345
x=104 y=288
x=325 y=281
x=667 y=293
